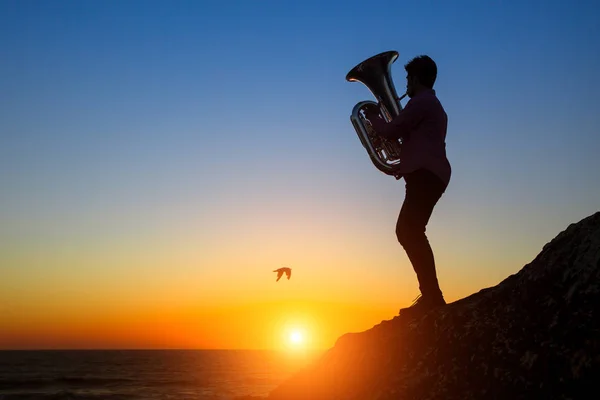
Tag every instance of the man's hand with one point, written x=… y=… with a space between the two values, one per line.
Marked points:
x=372 y=113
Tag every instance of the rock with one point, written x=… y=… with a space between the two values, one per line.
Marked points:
x=536 y=335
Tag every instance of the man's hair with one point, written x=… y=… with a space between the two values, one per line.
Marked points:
x=424 y=68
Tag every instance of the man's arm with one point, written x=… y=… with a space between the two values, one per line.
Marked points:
x=403 y=124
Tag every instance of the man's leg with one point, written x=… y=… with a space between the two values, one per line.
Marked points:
x=423 y=190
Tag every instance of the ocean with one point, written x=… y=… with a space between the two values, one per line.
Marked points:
x=144 y=374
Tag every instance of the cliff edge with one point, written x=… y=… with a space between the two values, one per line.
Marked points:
x=536 y=335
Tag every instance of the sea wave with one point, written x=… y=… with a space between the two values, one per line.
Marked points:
x=66 y=396
x=43 y=382
x=141 y=375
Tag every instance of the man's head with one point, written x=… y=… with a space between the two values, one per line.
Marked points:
x=421 y=72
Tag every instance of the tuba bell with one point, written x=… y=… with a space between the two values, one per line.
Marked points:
x=375 y=73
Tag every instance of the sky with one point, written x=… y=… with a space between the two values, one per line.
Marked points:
x=159 y=159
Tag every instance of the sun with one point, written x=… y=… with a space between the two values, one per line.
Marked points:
x=296 y=337
x=295 y=340
x=296 y=334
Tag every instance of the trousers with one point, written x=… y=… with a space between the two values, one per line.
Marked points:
x=423 y=191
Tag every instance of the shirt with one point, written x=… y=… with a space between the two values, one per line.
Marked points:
x=422 y=125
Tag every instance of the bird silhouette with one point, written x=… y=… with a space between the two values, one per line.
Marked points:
x=280 y=271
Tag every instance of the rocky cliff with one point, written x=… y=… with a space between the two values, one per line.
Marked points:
x=536 y=335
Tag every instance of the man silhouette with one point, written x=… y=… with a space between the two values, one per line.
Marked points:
x=426 y=171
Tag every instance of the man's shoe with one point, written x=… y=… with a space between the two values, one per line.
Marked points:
x=422 y=305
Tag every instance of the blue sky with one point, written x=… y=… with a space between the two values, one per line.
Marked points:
x=133 y=124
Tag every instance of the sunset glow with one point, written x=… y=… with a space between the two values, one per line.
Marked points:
x=160 y=160
x=296 y=337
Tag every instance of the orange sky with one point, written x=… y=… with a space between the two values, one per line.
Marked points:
x=166 y=303
x=176 y=286
x=267 y=324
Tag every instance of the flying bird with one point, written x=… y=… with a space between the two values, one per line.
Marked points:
x=280 y=271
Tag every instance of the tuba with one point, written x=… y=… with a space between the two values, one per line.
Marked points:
x=375 y=73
